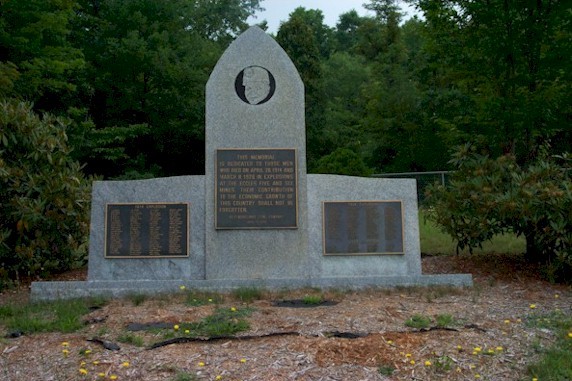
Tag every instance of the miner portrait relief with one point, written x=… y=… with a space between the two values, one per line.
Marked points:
x=255 y=85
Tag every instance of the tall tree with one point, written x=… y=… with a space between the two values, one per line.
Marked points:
x=511 y=62
x=37 y=61
x=149 y=61
x=298 y=39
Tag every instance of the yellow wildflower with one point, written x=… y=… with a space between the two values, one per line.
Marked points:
x=570 y=335
x=65 y=344
x=102 y=375
x=95 y=362
x=532 y=306
x=507 y=321
x=65 y=352
x=427 y=363
x=499 y=348
x=219 y=377
x=176 y=327
x=182 y=288
x=113 y=377
x=83 y=371
x=477 y=349
x=412 y=362
x=187 y=331
x=243 y=360
x=408 y=355
x=390 y=342
x=125 y=364
x=201 y=363
x=477 y=375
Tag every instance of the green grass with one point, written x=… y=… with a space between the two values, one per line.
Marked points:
x=247 y=294
x=418 y=321
x=445 y=321
x=434 y=241
x=184 y=376
x=195 y=298
x=137 y=299
x=385 y=370
x=312 y=299
x=57 y=316
x=555 y=363
x=223 y=322
x=132 y=339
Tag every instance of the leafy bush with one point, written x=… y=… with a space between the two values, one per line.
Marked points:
x=44 y=197
x=494 y=196
x=342 y=161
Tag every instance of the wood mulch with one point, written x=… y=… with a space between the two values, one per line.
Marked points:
x=359 y=337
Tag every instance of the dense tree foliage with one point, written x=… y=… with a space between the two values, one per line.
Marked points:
x=383 y=94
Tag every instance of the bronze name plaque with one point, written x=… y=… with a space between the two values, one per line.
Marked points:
x=147 y=230
x=362 y=227
x=256 y=189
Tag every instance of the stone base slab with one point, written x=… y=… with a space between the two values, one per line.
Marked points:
x=79 y=289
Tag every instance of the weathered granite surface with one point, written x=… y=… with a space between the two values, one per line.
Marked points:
x=233 y=123
x=187 y=189
x=349 y=188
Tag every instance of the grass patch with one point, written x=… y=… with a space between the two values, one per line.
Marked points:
x=418 y=321
x=56 y=316
x=195 y=298
x=385 y=370
x=184 y=376
x=223 y=322
x=247 y=294
x=313 y=299
x=137 y=299
x=132 y=339
x=555 y=362
x=445 y=320
x=435 y=241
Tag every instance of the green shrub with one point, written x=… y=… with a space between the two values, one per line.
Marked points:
x=488 y=196
x=44 y=197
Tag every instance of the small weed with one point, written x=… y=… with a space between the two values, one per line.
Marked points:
x=203 y=298
x=6 y=311
x=443 y=363
x=445 y=320
x=137 y=299
x=184 y=376
x=132 y=339
x=418 y=321
x=385 y=370
x=247 y=294
x=312 y=299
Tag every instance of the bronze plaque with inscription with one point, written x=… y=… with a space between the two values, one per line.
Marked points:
x=150 y=230
x=362 y=227
x=256 y=189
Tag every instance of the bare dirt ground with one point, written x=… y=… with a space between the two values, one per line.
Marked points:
x=490 y=339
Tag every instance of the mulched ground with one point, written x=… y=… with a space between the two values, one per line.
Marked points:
x=358 y=336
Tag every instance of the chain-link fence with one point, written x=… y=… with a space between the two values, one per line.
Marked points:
x=423 y=179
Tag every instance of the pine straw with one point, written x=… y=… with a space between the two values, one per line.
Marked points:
x=480 y=312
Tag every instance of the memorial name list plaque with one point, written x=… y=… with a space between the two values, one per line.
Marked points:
x=256 y=189
x=147 y=230
x=362 y=227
